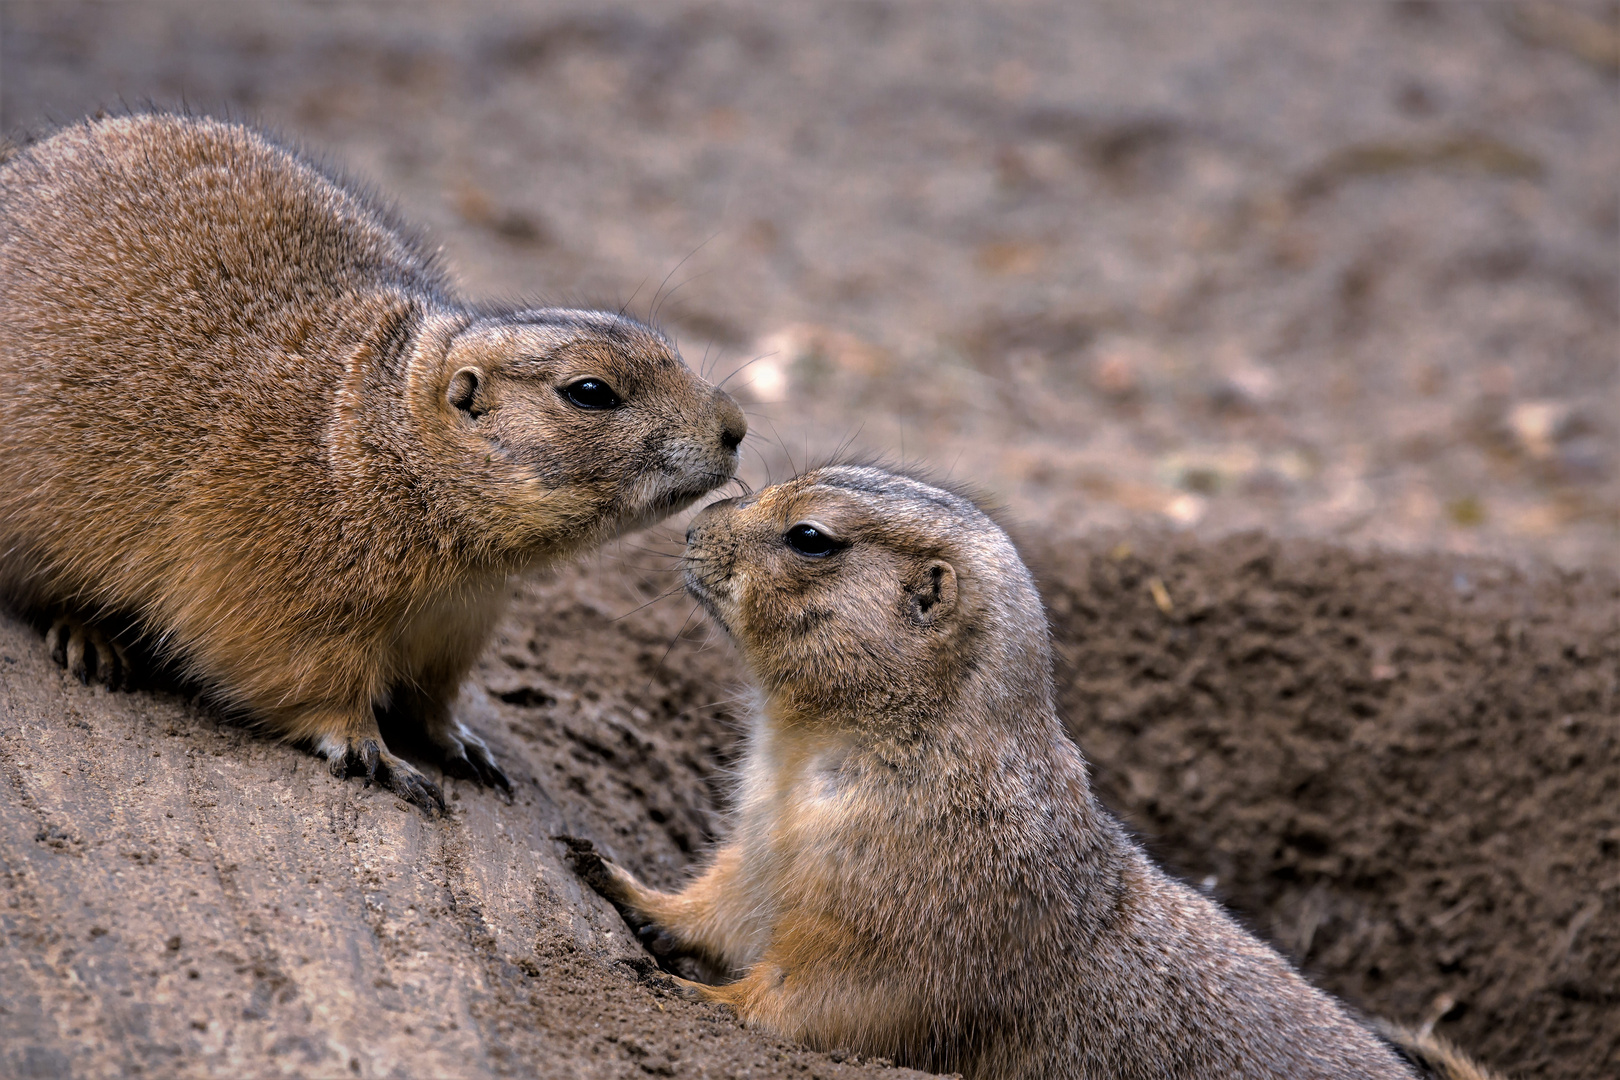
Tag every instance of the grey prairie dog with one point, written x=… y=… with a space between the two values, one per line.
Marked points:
x=244 y=416
x=917 y=867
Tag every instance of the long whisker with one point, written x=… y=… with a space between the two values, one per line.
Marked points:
x=695 y=277
x=652 y=315
x=648 y=688
x=781 y=444
x=656 y=552
x=745 y=367
x=665 y=595
x=626 y=305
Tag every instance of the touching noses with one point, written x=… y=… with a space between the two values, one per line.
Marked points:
x=733 y=426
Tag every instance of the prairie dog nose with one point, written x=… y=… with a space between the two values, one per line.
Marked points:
x=733 y=425
x=696 y=526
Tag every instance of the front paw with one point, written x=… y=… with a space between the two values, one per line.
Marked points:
x=650 y=974
x=366 y=756
x=696 y=991
x=591 y=867
x=466 y=757
x=614 y=883
x=87 y=652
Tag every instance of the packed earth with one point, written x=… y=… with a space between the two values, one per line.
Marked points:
x=1285 y=337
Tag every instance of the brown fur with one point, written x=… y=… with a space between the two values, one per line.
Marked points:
x=1434 y=1057
x=241 y=406
x=918 y=868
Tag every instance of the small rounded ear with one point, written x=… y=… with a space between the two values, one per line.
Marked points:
x=931 y=593
x=463 y=391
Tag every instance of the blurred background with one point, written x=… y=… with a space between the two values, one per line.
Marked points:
x=1343 y=269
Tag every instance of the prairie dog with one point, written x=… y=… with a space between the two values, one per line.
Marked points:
x=917 y=866
x=242 y=409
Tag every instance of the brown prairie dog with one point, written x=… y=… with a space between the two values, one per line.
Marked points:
x=242 y=412
x=917 y=867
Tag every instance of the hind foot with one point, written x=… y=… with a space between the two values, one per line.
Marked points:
x=467 y=757
x=366 y=756
x=88 y=653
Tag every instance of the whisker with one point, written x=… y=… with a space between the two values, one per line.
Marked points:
x=626 y=305
x=695 y=277
x=651 y=551
x=665 y=595
x=652 y=315
x=648 y=688
x=782 y=445
x=745 y=367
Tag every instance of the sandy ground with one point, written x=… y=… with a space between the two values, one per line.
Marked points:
x=1404 y=772
x=1345 y=272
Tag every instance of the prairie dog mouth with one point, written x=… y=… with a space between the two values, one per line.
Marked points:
x=697 y=575
x=656 y=505
x=673 y=502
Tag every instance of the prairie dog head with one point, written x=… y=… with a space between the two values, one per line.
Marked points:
x=584 y=424
x=859 y=594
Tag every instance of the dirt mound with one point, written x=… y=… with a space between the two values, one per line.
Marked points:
x=1402 y=771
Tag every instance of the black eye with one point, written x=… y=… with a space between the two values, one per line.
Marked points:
x=591 y=394
x=808 y=540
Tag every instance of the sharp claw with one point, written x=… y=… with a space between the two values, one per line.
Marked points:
x=75 y=657
x=107 y=667
x=489 y=773
x=467 y=758
x=588 y=863
x=490 y=778
x=125 y=674
x=87 y=653
x=414 y=787
x=428 y=790
x=370 y=753
x=56 y=639
x=367 y=758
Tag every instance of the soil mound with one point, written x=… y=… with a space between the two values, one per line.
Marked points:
x=1403 y=771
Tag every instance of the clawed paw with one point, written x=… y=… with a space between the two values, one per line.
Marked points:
x=88 y=653
x=619 y=888
x=691 y=991
x=366 y=757
x=466 y=757
x=588 y=863
x=614 y=884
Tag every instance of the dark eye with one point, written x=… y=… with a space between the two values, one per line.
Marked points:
x=591 y=394
x=808 y=540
